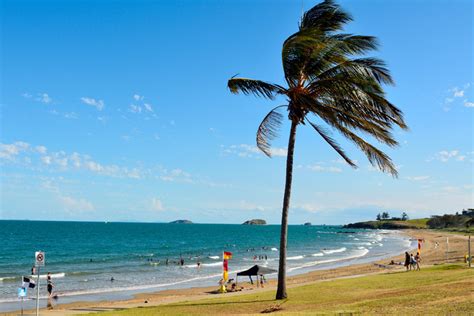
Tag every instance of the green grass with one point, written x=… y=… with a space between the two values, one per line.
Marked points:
x=418 y=222
x=443 y=289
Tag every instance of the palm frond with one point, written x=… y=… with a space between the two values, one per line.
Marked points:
x=325 y=135
x=375 y=156
x=362 y=68
x=257 y=87
x=318 y=52
x=326 y=16
x=268 y=130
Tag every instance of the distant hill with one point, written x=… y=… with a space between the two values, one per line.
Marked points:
x=307 y=224
x=181 y=221
x=255 y=222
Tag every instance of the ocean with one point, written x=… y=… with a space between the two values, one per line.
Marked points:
x=83 y=257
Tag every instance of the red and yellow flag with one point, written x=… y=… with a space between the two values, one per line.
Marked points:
x=419 y=246
x=225 y=265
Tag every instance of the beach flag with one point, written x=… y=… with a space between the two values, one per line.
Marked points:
x=419 y=246
x=225 y=264
x=28 y=283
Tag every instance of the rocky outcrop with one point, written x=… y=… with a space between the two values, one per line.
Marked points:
x=255 y=222
x=181 y=221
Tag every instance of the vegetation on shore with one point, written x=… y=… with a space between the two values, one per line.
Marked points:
x=419 y=223
x=459 y=222
x=393 y=293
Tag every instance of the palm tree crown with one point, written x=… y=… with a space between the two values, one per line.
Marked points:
x=327 y=79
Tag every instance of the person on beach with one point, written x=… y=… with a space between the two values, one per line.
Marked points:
x=33 y=270
x=407 y=261
x=412 y=262
x=418 y=260
x=50 y=284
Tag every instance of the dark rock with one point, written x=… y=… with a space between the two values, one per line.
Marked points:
x=181 y=221
x=255 y=222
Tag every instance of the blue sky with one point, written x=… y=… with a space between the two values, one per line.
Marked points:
x=118 y=111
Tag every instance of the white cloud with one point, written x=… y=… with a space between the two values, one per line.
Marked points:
x=156 y=204
x=70 y=115
x=247 y=206
x=468 y=104
x=41 y=149
x=418 y=178
x=44 y=98
x=47 y=160
x=71 y=204
x=456 y=93
x=148 y=107
x=445 y=155
x=26 y=95
x=320 y=168
x=10 y=151
x=135 y=108
x=176 y=175
x=138 y=97
x=250 y=151
x=98 y=104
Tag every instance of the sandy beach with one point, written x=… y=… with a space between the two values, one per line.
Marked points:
x=433 y=252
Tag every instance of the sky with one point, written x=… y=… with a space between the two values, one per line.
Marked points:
x=119 y=111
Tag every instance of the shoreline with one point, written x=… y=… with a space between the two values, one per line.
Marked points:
x=431 y=254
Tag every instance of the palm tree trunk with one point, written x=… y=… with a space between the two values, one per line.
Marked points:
x=281 y=291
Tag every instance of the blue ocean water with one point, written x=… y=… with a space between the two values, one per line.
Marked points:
x=84 y=256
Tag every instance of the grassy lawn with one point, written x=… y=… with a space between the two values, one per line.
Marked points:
x=444 y=289
x=418 y=222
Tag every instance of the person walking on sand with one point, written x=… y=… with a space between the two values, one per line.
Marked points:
x=412 y=262
x=418 y=260
x=50 y=285
x=407 y=260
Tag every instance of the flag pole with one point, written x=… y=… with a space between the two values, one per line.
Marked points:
x=22 y=278
x=37 y=291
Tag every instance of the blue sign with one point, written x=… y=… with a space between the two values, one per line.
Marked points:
x=21 y=291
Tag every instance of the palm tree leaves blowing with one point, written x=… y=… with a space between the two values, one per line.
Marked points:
x=328 y=81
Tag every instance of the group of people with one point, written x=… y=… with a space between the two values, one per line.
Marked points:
x=412 y=262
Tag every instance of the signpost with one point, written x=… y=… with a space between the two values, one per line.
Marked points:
x=39 y=262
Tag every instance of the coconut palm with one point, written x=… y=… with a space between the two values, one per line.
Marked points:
x=327 y=82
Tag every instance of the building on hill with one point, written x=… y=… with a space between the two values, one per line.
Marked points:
x=468 y=212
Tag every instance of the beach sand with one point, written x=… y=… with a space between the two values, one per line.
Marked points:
x=431 y=254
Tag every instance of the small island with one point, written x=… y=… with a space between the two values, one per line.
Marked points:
x=255 y=222
x=181 y=221
x=307 y=224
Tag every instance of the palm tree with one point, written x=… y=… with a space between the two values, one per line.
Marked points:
x=329 y=81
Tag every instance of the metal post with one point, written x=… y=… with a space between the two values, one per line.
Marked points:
x=447 y=248
x=22 y=306
x=37 y=291
x=469 y=250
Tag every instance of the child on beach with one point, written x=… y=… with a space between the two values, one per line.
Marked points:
x=50 y=285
